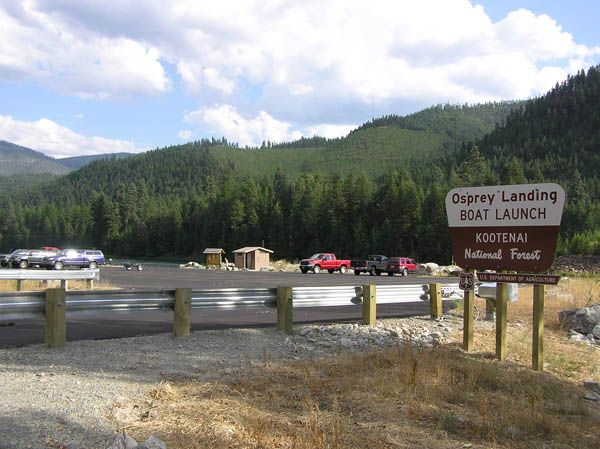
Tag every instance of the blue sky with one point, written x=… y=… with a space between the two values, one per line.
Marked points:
x=96 y=76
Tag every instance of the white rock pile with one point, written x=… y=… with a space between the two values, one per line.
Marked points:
x=418 y=331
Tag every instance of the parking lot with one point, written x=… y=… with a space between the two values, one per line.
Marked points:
x=169 y=277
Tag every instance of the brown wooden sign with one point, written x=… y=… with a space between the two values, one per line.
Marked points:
x=505 y=227
x=538 y=279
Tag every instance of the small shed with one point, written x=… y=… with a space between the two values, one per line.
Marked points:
x=214 y=256
x=252 y=257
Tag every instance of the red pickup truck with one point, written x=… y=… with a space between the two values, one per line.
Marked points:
x=324 y=261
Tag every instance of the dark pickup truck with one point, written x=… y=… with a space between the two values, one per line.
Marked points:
x=374 y=265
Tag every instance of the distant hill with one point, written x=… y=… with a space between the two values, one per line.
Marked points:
x=376 y=146
x=17 y=160
x=76 y=162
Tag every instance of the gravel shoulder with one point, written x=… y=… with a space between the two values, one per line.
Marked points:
x=80 y=395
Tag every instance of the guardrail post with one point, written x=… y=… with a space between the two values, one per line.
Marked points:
x=537 y=359
x=182 y=312
x=501 y=319
x=435 y=300
x=90 y=284
x=285 y=309
x=55 y=331
x=64 y=284
x=20 y=284
x=369 y=307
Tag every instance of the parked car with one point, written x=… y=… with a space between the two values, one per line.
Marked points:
x=5 y=261
x=374 y=265
x=324 y=261
x=31 y=258
x=400 y=265
x=79 y=258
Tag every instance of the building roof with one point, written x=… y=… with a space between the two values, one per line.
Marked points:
x=214 y=251
x=249 y=249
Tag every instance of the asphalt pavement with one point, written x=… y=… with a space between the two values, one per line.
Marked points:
x=170 y=277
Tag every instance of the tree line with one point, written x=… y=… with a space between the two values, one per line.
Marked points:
x=178 y=201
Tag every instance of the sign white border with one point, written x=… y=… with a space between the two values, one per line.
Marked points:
x=503 y=206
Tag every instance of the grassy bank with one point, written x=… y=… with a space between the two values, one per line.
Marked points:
x=401 y=397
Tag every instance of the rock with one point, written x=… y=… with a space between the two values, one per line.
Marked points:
x=123 y=441
x=592 y=397
x=154 y=443
x=430 y=267
x=593 y=385
x=452 y=270
x=581 y=320
x=190 y=265
x=596 y=331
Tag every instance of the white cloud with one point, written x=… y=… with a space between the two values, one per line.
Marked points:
x=55 y=140
x=39 y=47
x=185 y=134
x=293 y=59
x=226 y=121
x=328 y=130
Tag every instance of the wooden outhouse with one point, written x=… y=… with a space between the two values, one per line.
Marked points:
x=214 y=256
x=252 y=257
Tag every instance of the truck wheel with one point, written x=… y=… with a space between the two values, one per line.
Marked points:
x=304 y=270
x=59 y=265
x=317 y=269
x=23 y=264
x=343 y=269
x=405 y=272
x=93 y=265
x=373 y=271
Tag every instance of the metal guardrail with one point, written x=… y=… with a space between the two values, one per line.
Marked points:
x=49 y=275
x=234 y=298
x=17 y=305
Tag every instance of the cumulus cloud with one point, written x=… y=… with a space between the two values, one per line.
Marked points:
x=225 y=120
x=58 y=141
x=40 y=47
x=294 y=60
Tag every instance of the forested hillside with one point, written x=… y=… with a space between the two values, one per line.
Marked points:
x=380 y=190
x=556 y=138
x=77 y=162
x=17 y=160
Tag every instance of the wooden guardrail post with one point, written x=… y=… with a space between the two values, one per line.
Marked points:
x=501 y=319
x=55 y=330
x=64 y=284
x=469 y=318
x=182 y=312
x=537 y=356
x=20 y=284
x=435 y=300
x=369 y=306
x=285 y=308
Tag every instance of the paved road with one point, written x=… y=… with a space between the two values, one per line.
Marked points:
x=114 y=325
x=154 y=277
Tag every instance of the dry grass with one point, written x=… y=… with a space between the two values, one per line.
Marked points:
x=284 y=265
x=398 y=398
x=7 y=286
x=563 y=358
